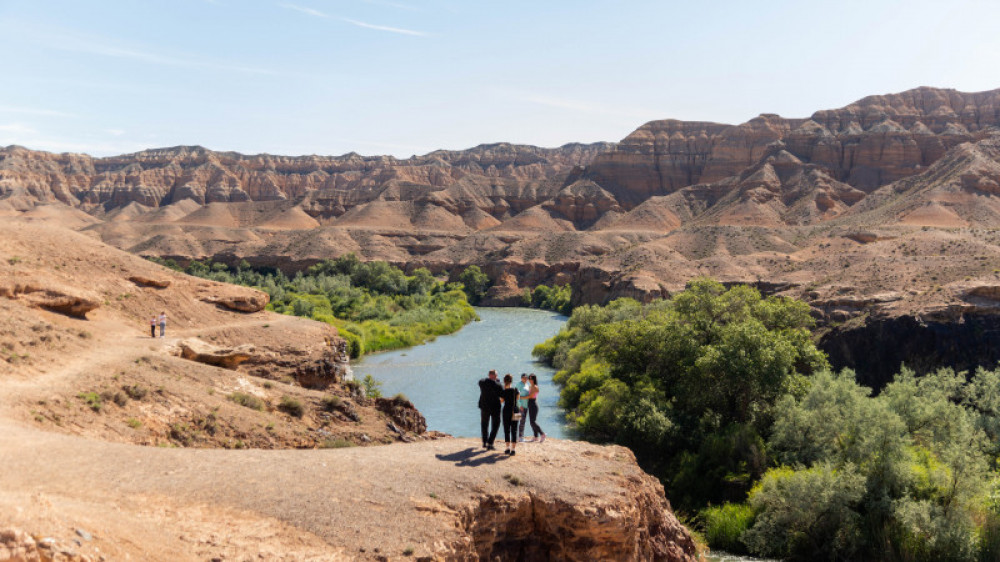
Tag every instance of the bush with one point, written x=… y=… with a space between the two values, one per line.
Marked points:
x=337 y=443
x=725 y=524
x=92 y=399
x=292 y=407
x=373 y=388
x=247 y=400
x=330 y=403
x=135 y=392
x=808 y=514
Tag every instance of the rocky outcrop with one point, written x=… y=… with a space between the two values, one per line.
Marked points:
x=60 y=299
x=194 y=349
x=238 y=299
x=404 y=415
x=150 y=282
x=529 y=526
x=18 y=546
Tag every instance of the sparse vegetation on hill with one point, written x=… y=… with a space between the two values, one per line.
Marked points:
x=374 y=305
x=723 y=395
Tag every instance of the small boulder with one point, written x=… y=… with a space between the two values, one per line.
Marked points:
x=194 y=349
x=150 y=282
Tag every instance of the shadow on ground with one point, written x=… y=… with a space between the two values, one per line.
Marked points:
x=471 y=456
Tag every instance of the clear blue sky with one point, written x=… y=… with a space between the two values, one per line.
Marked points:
x=406 y=77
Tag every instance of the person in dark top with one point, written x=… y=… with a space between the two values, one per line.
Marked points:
x=489 y=408
x=510 y=396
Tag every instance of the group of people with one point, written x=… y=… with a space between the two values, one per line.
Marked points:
x=509 y=405
x=162 y=321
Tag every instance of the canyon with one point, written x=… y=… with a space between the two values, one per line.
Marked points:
x=240 y=434
x=882 y=215
x=882 y=209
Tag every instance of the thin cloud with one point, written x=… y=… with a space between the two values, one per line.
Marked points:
x=304 y=10
x=70 y=41
x=17 y=129
x=34 y=111
x=579 y=106
x=354 y=22
x=385 y=28
x=393 y=5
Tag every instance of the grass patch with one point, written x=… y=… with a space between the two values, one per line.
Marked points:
x=330 y=403
x=247 y=401
x=725 y=524
x=135 y=392
x=338 y=443
x=134 y=423
x=291 y=406
x=514 y=480
x=92 y=400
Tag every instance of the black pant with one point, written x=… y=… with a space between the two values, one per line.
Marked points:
x=152 y=330
x=489 y=419
x=532 y=414
x=509 y=427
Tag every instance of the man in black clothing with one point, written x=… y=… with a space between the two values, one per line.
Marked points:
x=489 y=407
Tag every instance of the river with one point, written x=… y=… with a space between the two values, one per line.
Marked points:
x=440 y=377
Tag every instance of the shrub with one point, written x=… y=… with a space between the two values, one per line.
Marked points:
x=135 y=392
x=373 y=388
x=291 y=406
x=335 y=443
x=330 y=403
x=92 y=399
x=725 y=524
x=514 y=480
x=247 y=400
x=808 y=514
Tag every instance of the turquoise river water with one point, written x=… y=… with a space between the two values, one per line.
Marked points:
x=440 y=377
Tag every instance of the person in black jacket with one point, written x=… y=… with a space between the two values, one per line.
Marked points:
x=489 y=408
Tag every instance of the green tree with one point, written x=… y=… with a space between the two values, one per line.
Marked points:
x=475 y=282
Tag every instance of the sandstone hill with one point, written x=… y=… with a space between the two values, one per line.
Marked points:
x=236 y=436
x=880 y=212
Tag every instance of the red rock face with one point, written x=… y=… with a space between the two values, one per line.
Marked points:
x=867 y=144
x=163 y=176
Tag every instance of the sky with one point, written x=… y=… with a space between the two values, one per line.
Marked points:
x=405 y=77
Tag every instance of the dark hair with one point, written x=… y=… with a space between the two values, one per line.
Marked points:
x=507 y=378
x=533 y=378
x=492 y=372
x=524 y=375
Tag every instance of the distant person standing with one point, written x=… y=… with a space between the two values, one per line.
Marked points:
x=489 y=408
x=509 y=395
x=533 y=408
x=163 y=324
x=152 y=327
x=522 y=404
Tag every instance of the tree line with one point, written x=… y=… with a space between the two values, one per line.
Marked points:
x=374 y=305
x=723 y=395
